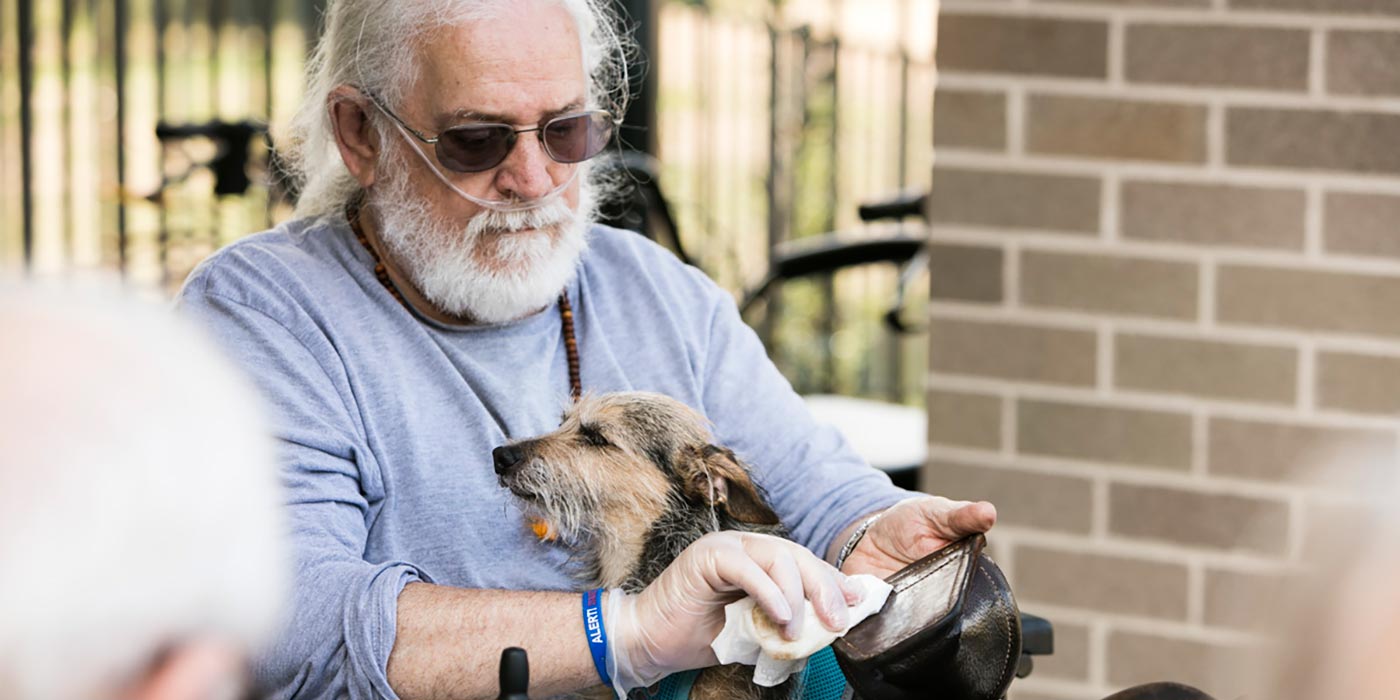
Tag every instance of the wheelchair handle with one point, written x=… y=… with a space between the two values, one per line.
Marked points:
x=515 y=675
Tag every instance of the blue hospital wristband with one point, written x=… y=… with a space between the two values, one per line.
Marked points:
x=593 y=629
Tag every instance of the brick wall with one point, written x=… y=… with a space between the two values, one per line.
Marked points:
x=1166 y=287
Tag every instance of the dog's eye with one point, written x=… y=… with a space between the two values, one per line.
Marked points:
x=591 y=436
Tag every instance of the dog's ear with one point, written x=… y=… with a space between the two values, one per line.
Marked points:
x=713 y=475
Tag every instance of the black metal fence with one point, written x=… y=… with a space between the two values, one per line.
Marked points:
x=137 y=123
x=133 y=138
x=774 y=128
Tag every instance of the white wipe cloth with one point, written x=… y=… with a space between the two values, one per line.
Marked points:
x=750 y=637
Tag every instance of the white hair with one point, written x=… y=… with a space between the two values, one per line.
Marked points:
x=372 y=44
x=139 y=505
x=497 y=267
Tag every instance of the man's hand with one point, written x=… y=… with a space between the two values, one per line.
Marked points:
x=912 y=529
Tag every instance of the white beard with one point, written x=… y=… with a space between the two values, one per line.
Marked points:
x=499 y=267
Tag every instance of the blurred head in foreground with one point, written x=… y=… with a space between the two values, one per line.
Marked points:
x=141 y=555
x=1325 y=623
x=1347 y=641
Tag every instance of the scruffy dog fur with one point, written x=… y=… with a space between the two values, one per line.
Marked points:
x=627 y=481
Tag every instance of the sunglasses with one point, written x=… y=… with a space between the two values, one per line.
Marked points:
x=472 y=148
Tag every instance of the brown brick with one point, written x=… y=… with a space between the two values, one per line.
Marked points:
x=1243 y=600
x=1220 y=670
x=1114 y=285
x=1361 y=383
x=1138 y=3
x=1101 y=583
x=1313 y=139
x=969 y=119
x=1027 y=353
x=964 y=420
x=1104 y=434
x=1309 y=300
x=1213 y=214
x=1070 y=661
x=1025 y=498
x=1117 y=129
x=1362 y=224
x=1015 y=200
x=1206 y=368
x=1217 y=56
x=1330 y=533
x=1198 y=519
x=998 y=550
x=1367 y=7
x=965 y=273
x=1294 y=452
x=1026 y=45
x=1363 y=63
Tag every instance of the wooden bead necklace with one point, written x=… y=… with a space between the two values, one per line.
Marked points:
x=566 y=311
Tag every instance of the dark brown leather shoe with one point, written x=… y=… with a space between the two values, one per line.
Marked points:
x=950 y=630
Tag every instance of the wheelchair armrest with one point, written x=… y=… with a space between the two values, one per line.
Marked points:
x=904 y=205
x=1037 y=639
x=831 y=252
x=1037 y=635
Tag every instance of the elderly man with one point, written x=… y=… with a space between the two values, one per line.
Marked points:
x=442 y=292
x=142 y=555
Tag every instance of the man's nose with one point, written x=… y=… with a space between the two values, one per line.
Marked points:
x=525 y=171
x=507 y=457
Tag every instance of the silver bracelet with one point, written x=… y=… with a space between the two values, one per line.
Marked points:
x=855 y=539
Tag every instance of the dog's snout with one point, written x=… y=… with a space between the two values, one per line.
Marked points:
x=507 y=457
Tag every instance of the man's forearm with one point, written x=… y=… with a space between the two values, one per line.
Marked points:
x=449 y=642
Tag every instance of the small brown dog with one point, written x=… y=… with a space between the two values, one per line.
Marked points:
x=628 y=481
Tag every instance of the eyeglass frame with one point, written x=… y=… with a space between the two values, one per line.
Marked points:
x=514 y=132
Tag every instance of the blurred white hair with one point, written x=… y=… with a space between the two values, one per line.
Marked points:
x=372 y=44
x=139 y=504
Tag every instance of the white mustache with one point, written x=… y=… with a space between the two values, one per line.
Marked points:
x=549 y=214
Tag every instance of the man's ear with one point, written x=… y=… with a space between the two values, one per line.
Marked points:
x=355 y=135
x=713 y=475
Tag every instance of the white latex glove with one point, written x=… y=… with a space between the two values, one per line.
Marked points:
x=668 y=627
x=749 y=638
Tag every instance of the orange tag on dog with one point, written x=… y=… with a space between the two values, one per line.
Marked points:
x=542 y=530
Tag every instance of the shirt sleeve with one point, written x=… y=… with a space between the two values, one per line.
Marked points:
x=341 y=623
x=817 y=483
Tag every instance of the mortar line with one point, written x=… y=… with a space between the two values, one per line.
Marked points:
x=1183 y=15
x=1317 y=56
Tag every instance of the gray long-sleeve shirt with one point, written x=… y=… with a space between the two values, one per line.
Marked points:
x=387 y=421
